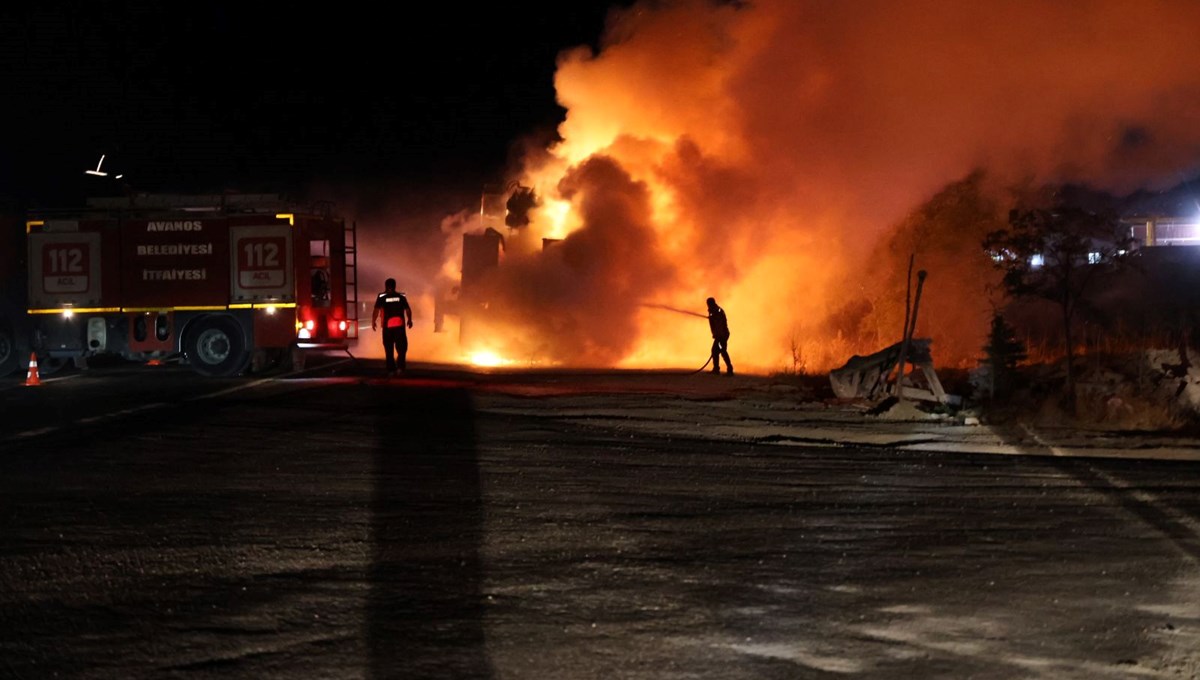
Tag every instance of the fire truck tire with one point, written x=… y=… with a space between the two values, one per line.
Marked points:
x=215 y=347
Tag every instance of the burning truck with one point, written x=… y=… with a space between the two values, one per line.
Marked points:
x=482 y=251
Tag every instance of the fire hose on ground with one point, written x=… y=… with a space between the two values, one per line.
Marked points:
x=682 y=311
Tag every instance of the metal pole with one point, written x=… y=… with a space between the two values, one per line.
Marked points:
x=908 y=332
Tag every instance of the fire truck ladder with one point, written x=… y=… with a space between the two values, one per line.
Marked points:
x=351 y=259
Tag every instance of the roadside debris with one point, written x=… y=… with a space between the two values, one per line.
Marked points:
x=869 y=377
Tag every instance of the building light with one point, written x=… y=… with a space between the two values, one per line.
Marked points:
x=1037 y=260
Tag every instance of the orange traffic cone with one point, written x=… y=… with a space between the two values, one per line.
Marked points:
x=31 y=378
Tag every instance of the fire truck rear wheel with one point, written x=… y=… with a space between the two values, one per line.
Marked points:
x=215 y=347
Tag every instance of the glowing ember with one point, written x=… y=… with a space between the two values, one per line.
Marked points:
x=487 y=359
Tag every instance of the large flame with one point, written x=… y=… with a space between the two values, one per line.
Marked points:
x=761 y=152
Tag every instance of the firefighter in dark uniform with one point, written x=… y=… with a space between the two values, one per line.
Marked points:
x=719 y=325
x=391 y=308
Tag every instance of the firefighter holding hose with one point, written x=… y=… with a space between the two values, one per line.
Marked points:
x=719 y=325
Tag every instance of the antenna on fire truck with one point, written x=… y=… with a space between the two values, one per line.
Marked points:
x=100 y=173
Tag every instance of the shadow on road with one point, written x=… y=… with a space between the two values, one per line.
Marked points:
x=425 y=614
x=1126 y=494
x=1112 y=480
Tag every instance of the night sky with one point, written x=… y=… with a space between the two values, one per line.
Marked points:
x=231 y=96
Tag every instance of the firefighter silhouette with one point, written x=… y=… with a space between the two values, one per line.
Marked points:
x=392 y=308
x=719 y=325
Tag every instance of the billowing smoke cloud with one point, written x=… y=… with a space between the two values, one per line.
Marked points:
x=759 y=151
x=571 y=301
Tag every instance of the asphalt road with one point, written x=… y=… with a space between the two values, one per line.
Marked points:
x=516 y=525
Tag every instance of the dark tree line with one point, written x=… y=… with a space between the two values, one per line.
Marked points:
x=1057 y=254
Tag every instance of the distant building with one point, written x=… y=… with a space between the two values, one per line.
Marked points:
x=1164 y=231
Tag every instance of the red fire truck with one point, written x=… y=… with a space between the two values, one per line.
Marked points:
x=229 y=284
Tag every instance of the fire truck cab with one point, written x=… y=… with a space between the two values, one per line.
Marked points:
x=229 y=284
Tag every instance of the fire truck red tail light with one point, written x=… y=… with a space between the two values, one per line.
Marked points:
x=342 y=325
x=310 y=325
